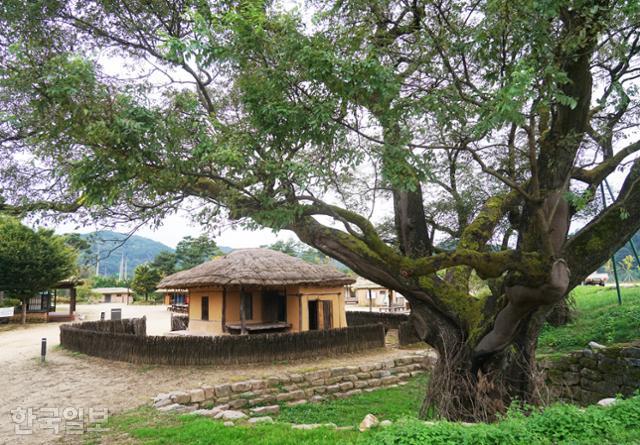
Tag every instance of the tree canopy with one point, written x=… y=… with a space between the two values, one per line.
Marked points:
x=145 y=280
x=191 y=252
x=32 y=261
x=373 y=130
x=165 y=263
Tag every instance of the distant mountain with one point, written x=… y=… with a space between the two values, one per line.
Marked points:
x=109 y=248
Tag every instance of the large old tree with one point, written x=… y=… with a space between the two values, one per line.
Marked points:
x=440 y=148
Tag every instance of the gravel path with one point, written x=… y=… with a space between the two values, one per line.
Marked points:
x=70 y=380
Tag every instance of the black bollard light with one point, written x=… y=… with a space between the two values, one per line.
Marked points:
x=43 y=350
x=101 y=316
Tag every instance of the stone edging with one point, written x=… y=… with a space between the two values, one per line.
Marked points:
x=263 y=396
x=595 y=373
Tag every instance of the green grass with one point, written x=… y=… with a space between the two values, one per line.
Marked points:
x=558 y=424
x=148 y=426
x=599 y=318
x=390 y=403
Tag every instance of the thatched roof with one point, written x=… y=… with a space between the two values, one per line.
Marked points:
x=261 y=267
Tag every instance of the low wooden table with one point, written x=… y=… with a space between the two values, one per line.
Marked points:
x=258 y=328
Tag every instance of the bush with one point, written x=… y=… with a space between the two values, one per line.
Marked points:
x=10 y=302
x=555 y=425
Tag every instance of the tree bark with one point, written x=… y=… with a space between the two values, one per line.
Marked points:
x=24 y=310
x=458 y=392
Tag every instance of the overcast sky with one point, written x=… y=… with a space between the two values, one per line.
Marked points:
x=176 y=227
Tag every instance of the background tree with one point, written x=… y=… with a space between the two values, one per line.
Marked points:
x=193 y=251
x=165 y=263
x=373 y=133
x=299 y=250
x=145 y=280
x=31 y=261
x=108 y=281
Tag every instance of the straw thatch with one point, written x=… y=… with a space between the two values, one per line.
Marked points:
x=259 y=267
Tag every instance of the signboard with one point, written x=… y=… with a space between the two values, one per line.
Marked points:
x=6 y=311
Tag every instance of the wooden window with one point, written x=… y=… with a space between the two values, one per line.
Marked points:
x=247 y=301
x=205 y=309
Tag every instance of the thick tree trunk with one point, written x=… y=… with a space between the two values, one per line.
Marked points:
x=458 y=392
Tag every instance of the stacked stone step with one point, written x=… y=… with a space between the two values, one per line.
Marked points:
x=295 y=389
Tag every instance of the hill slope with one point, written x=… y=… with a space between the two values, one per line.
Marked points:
x=110 y=247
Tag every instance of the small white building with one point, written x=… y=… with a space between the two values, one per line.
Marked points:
x=369 y=293
x=114 y=294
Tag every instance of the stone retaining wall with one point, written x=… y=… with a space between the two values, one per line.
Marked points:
x=594 y=373
x=294 y=389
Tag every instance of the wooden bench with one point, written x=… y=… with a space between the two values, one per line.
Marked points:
x=258 y=328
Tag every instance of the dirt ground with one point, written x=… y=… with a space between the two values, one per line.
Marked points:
x=68 y=380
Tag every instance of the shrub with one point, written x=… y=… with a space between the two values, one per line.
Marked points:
x=10 y=302
x=555 y=425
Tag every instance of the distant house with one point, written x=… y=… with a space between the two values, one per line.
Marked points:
x=261 y=290
x=176 y=299
x=42 y=306
x=371 y=294
x=114 y=294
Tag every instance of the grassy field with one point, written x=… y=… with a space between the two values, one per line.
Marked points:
x=599 y=318
x=390 y=404
x=559 y=424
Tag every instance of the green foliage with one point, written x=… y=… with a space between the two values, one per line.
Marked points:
x=108 y=281
x=599 y=318
x=165 y=263
x=9 y=302
x=191 y=252
x=31 y=261
x=559 y=424
x=300 y=250
x=145 y=280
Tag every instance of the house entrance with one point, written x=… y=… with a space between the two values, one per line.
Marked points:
x=313 y=315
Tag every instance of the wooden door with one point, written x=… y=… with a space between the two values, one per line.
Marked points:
x=313 y=315
x=327 y=314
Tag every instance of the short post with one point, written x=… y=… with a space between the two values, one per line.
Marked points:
x=43 y=349
x=101 y=316
x=243 y=315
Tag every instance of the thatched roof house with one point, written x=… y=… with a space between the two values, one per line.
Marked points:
x=259 y=290
x=260 y=267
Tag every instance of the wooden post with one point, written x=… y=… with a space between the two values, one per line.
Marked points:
x=72 y=300
x=243 y=326
x=300 y=313
x=224 y=308
x=370 y=301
